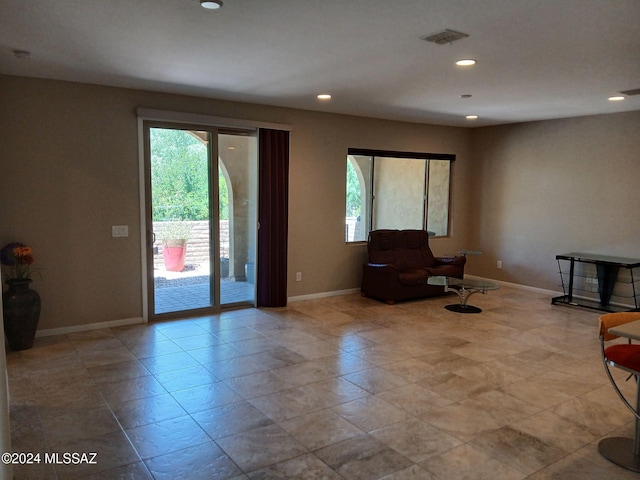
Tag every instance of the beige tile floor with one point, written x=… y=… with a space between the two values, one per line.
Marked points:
x=342 y=387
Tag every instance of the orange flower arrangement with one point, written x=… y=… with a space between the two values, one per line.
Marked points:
x=18 y=258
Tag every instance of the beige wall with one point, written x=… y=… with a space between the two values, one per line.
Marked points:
x=521 y=193
x=69 y=156
x=317 y=192
x=553 y=187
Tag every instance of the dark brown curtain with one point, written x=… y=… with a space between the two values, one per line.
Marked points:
x=273 y=217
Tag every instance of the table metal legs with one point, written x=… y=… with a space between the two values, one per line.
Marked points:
x=464 y=295
x=624 y=452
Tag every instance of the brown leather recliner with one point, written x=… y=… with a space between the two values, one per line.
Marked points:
x=400 y=262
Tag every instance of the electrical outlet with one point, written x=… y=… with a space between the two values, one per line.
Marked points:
x=298 y=276
x=120 y=231
x=499 y=264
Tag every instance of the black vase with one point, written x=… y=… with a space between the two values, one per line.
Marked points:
x=21 y=310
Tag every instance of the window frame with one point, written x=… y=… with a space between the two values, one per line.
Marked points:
x=371 y=194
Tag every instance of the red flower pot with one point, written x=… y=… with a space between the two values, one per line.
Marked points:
x=174 y=254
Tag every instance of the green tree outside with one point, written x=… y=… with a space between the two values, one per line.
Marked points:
x=179 y=177
x=354 y=200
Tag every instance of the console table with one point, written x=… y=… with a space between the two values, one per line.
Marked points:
x=607 y=270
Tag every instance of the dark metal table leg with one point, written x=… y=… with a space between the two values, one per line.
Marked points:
x=571 y=271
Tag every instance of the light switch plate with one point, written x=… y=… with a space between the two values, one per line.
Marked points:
x=120 y=231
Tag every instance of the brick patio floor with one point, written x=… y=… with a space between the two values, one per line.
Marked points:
x=188 y=297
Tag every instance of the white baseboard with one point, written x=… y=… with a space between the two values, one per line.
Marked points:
x=89 y=326
x=312 y=296
x=546 y=292
x=356 y=290
x=543 y=291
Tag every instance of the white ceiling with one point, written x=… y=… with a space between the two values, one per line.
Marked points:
x=537 y=59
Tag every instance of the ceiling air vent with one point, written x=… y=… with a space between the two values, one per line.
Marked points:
x=630 y=93
x=444 y=37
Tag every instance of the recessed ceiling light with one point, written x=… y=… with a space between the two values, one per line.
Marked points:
x=465 y=63
x=324 y=96
x=471 y=117
x=615 y=99
x=211 y=4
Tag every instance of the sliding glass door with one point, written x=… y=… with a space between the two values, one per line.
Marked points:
x=201 y=219
x=237 y=232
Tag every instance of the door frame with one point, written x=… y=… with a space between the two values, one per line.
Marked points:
x=192 y=121
x=214 y=218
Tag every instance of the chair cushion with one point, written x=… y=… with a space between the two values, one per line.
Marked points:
x=414 y=276
x=445 y=271
x=409 y=259
x=417 y=240
x=381 y=246
x=625 y=355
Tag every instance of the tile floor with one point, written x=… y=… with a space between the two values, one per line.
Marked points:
x=341 y=387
